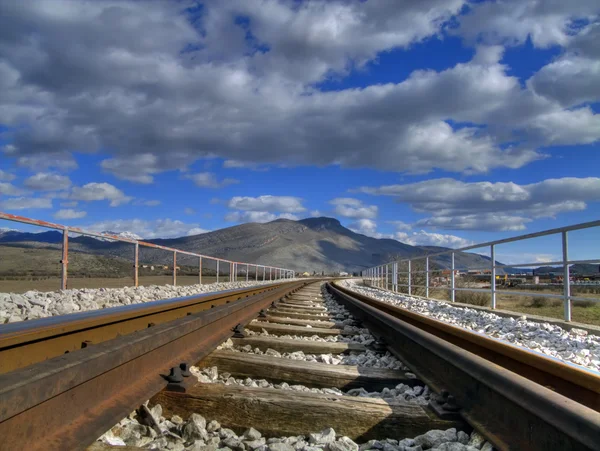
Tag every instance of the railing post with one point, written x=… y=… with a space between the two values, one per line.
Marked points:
x=200 y=270
x=264 y=273
x=409 y=277
x=453 y=281
x=256 y=273
x=493 y=285
x=136 y=253
x=217 y=271
x=395 y=277
x=65 y=259
x=566 y=276
x=426 y=277
x=247 y=271
x=270 y=273
x=174 y=268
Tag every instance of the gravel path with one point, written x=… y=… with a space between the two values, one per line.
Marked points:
x=38 y=304
x=198 y=434
x=575 y=346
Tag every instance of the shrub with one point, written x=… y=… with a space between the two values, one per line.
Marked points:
x=584 y=304
x=473 y=298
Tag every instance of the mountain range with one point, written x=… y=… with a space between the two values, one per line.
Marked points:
x=312 y=244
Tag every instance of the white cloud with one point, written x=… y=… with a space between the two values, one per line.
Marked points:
x=254 y=101
x=237 y=164
x=69 y=214
x=100 y=191
x=400 y=225
x=69 y=204
x=257 y=216
x=8 y=189
x=148 y=229
x=210 y=180
x=6 y=176
x=367 y=227
x=189 y=211
x=315 y=213
x=45 y=181
x=267 y=203
x=349 y=207
x=423 y=238
x=512 y=22
x=63 y=161
x=24 y=203
x=454 y=204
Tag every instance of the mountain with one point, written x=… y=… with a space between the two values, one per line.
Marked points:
x=312 y=244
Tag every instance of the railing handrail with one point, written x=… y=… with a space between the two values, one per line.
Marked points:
x=66 y=230
x=379 y=273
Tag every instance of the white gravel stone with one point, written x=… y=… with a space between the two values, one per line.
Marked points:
x=38 y=304
x=574 y=346
x=183 y=435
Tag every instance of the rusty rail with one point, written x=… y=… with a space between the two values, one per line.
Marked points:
x=280 y=273
x=68 y=400
x=508 y=407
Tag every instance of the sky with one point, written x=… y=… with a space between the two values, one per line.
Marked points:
x=434 y=122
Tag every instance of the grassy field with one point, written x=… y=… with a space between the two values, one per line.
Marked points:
x=583 y=312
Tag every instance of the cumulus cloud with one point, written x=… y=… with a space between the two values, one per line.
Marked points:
x=189 y=211
x=148 y=229
x=423 y=238
x=512 y=22
x=367 y=227
x=69 y=214
x=158 y=92
x=45 y=181
x=25 y=203
x=257 y=216
x=454 y=204
x=8 y=189
x=100 y=191
x=349 y=207
x=267 y=203
x=210 y=180
x=6 y=176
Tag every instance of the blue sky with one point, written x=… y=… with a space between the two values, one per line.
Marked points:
x=432 y=122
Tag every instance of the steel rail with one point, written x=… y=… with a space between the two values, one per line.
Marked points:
x=27 y=342
x=512 y=411
x=66 y=402
x=570 y=380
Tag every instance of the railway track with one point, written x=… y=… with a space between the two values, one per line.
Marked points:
x=275 y=376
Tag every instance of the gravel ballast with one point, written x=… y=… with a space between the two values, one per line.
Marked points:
x=39 y=304
x=199 y=434
x=575 y=346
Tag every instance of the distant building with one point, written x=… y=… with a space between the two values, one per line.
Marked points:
x=343 y=274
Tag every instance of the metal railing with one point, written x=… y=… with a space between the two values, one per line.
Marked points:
x=273 y=273
x=387 y=275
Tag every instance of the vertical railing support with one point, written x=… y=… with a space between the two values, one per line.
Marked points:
x=264 y=273
x=493 y=276
x=247 y=272
x=409 y=278
x=200 y=270
x=270 y=273
x=174 y=268
x=256 y=273
x=566 y=276
x=136 y=265
x=426 y=277
x=65 y=259
x=453 y=281
x=217 y=271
